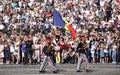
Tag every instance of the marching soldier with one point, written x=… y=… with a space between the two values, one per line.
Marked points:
x=82 y=46
x=48 y=51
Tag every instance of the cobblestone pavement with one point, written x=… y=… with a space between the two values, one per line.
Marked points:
x=65 y=69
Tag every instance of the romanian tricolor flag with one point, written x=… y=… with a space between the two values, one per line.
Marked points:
x=57 y=19
x=61 y=22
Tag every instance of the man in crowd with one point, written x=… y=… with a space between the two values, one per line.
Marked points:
x=118 y=54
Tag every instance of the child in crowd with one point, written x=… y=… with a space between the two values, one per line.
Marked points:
x=23 y=48
x=101 y=53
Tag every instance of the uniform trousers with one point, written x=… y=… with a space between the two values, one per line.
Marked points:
x=48 y=60
x=82 y=59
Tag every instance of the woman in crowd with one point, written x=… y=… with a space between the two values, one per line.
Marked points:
x=106 y=52
x=17 y=49
x=62 y=46
x=114 y=49
x=12 y=50
x=57 y=52
x=7 y=52
x=23 y=49
x=101 y=53
x=36 y=48
x=29 y=49
x=1 y=51
x=41 y=49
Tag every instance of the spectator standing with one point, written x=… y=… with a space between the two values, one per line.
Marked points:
x=17 y=49
x=36 y=48
x=12 y=50
x=29 y=45
x=114 y=49
x=1 y=52
x=23 y=48
x=102 y=53
x=106 y=52
x=7 y=52
x=118 y=53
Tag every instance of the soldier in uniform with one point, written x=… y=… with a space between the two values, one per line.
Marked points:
x=82 y=46
x=48 y=51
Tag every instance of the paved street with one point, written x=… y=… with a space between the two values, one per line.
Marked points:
x=65 y=69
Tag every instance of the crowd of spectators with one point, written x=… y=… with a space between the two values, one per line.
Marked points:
x=26 y=24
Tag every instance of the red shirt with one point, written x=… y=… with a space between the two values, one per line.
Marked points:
x=61 y=44
x=116 y=23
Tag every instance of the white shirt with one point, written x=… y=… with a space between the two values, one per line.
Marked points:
x=102 y=3
x=105 y=50
x=114 y=47
x=34 y=39
x=1 y=48
x=2 y=27
x=1 y=7
x=6 y=19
